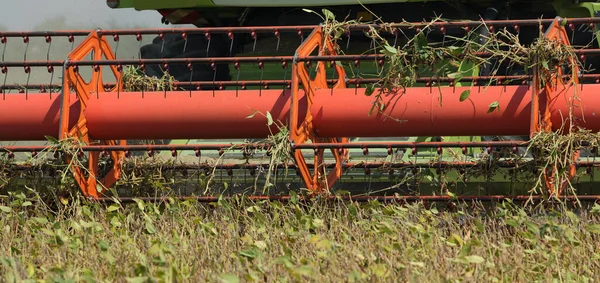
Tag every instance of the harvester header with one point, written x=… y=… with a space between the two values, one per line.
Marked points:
x=472 y=116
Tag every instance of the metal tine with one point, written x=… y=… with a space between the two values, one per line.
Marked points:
x=285 y=67
x=333 y=73
x=71 y=39
x=5 y=71
x=185 y=42
x=119 y=83
x=405 y=36
x=276 y=32
x=579 y=29
x=262 y=72
x=166 y=71
x=28 y=72
x=356 y=76
x=26 y=41
x=97 y=71
x=443 y=30
x=116 y=39
x=348 y=41
x=49 y=41
x=214 y=82
x=254 y=37
x=231 y=38
x=191 y=67
x=207 y=36
x=301 y=35
x=237 y=79
x=4 y=41
x=143 y=89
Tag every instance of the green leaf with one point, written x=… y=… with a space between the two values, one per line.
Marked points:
x=140 y=203
x=572 y=216
x=51 y=139
x=285 y=261
x=155 y=249
x=370 y=89
x=338 y=33
x=5 y=209
x=593 y=228
x=455 y=50
x=304 y=270
x=533 y=228
x=294 y=197
x=269 y=119
x=328 y=14
x=451 y=194
x=389 y=50
x=563 y=22
x=250 y=253
x=417 y=263
x=493 y=106
x=137 y=279
x=474 y=259
x=253 y=208
x=420 y=41
x=103 y=245
x=512 y=222
x=41 y=220
x=455 y=75
x=479 y=225
x=228 y=278
x=27 y=203
x=260 y=244
x=595 y=209
x=113 y=207
x=150 y=229
x=308 y=10
x=465 y=250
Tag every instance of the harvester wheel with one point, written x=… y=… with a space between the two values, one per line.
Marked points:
x=195 y=46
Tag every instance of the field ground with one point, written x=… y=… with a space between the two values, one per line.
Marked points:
x=242 y=241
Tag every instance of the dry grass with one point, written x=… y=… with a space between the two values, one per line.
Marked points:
x=231 y=241
x=135 y=80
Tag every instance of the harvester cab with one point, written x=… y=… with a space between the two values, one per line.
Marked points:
x=437 y=100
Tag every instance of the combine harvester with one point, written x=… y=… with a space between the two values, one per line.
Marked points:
x=491 y=100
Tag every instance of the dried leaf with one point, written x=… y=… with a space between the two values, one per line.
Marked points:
x=269 y=118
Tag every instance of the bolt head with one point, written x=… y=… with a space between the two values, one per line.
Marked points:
x=113 y=3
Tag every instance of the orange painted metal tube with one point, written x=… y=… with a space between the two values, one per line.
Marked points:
x=585 y=110
x=176 y=115
x=346 y=112
x=185 y=115
x=32 y=117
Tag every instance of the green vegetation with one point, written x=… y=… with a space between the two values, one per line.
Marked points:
x=239 y=240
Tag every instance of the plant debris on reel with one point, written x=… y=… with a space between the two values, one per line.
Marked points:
x=477 y=117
